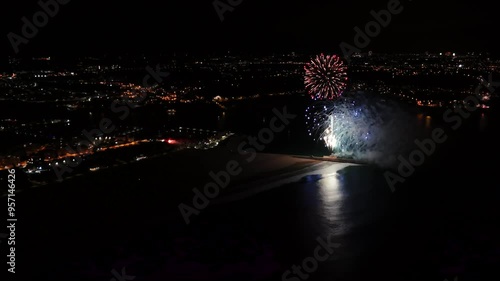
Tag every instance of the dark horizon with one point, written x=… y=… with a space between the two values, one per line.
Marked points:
x=93 y=28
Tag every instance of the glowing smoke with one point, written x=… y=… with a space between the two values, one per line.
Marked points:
x=357 y=128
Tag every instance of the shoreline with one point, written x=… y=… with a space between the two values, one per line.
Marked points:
x=264 y=166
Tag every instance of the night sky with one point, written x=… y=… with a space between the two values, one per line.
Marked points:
x=97 y=27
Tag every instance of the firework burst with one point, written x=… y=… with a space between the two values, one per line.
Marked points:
x=360 y=129
x=325 y=77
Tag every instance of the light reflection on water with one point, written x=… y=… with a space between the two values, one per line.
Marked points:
x=428 y=122
x=331 y=199
x=331 y=196
x=483 y=122
x=348 y=197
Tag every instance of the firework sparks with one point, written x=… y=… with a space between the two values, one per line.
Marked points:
x=358 y=129
x=325 y=77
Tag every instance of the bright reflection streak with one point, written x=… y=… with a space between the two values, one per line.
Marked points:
x=329 y=189
x=332 y=197
x=428 y=122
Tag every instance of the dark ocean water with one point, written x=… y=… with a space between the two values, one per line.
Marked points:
x=442 y=222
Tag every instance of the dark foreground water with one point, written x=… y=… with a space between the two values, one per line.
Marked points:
x=442 y=222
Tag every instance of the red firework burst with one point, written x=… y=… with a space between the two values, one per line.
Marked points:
x=325 y=77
